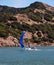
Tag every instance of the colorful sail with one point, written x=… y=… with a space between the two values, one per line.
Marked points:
x=21 y=39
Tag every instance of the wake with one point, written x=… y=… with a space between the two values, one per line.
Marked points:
x=35 y=49
x=32 y=49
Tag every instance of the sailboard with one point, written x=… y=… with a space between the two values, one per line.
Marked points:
x=22 y=45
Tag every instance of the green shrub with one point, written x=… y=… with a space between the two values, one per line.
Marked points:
x=35 y=16
x=4 y=17
x=38 y=5
x=27 y=10
x=15 y=33
x=48 y=17
x=3 y=32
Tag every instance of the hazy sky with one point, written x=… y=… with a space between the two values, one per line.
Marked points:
x=23 y=3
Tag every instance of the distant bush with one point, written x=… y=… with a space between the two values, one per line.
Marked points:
x=16 y=25
x=3 y=31
x=48 y=17
x=26 y=27
x=27 y=10
x=35 y=16
x=45 y=39
x=38 y=5
x=15 y=33
x=38 y=40
x=4 y=17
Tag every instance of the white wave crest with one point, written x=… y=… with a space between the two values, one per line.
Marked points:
x=32 y=49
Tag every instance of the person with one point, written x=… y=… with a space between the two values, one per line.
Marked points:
x=28 y=43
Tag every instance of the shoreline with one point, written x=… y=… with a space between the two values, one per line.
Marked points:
x=32 y=45
x=14 y=42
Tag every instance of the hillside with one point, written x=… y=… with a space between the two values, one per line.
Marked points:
x=37 y=19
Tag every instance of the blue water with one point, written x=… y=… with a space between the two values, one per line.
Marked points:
x=19 y=56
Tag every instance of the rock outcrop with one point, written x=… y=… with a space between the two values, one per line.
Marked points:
x=9 y=42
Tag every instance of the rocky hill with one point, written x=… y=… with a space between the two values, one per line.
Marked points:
x=37 y=19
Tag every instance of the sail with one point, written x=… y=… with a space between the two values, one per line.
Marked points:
x=21 y=39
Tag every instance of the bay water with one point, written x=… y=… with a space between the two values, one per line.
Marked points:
x=19 y=56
